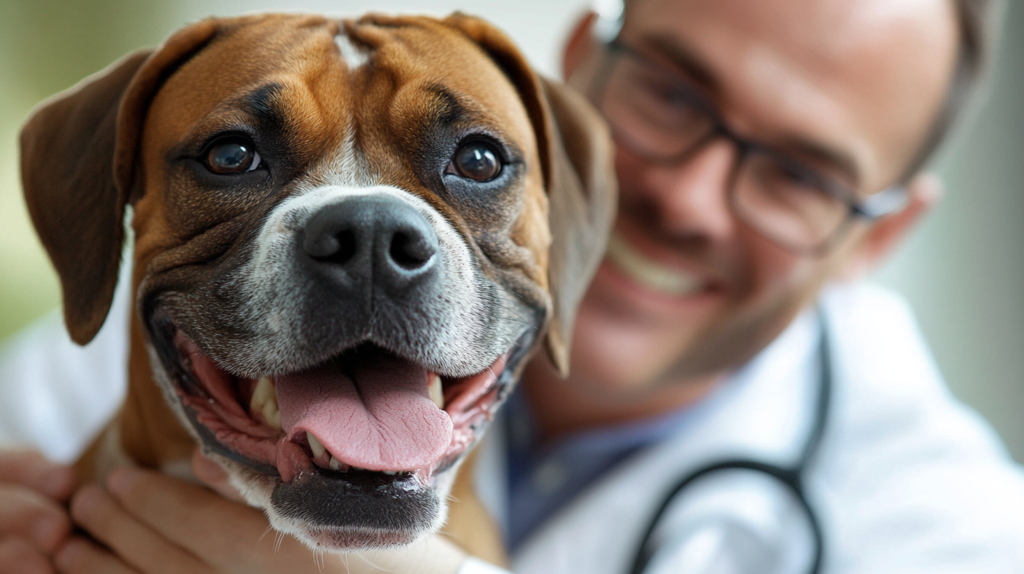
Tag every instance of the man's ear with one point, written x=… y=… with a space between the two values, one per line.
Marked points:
x=580 y=46
x=924 y=192
x=576 y=155
x=78 y=171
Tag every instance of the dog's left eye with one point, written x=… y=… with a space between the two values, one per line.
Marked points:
x=476 y=160
x=232 y=155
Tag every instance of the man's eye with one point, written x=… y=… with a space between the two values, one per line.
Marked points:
x=232 y=155
x=476 y=160
x=795 y=177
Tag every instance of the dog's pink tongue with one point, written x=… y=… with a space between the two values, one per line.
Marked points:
x=380 y=419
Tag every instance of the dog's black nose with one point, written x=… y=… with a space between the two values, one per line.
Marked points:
x=378 y=238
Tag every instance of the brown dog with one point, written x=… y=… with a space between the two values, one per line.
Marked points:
x=348 y=237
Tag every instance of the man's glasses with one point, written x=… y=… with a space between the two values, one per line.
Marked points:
x=658 y=114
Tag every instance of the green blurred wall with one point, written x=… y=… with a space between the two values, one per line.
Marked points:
x=47 y=46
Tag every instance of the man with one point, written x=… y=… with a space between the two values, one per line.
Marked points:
x=764 y=150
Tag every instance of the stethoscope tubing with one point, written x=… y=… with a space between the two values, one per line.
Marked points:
x=791 y=476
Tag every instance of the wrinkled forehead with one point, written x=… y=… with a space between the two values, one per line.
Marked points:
x=327 y=78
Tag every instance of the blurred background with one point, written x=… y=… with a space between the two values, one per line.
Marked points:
x=963 y=270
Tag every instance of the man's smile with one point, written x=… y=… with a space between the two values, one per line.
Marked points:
x=650 y=273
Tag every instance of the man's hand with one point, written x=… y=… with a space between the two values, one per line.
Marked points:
x=152 y=523
x=33 y=522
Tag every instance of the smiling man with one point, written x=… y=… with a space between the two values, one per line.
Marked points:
x=752 y=138
x=727 y=363
x=769 y=154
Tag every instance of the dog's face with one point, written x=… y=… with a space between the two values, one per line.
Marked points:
x=342 y=253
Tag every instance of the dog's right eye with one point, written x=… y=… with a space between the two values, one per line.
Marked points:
x=232 y=155
x=476 y=160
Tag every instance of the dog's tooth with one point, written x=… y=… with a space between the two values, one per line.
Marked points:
x=271 y=414
x=337 y=465
x=436 y=392
x=389 y=472
x=263 y=392
x=315 y=445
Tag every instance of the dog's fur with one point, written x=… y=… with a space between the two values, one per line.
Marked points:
x=230 y=272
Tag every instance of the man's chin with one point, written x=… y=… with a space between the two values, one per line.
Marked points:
x=613 y=353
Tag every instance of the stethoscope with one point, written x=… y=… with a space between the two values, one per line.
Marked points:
x=791 y=477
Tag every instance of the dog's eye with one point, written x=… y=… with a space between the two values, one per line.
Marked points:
x=232 y=155
x=476 y=160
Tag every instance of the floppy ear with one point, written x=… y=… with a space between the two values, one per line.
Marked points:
x=576 y=153
x=78 y=159
x=582 y=198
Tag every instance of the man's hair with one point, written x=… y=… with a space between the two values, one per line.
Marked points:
x=978 y=27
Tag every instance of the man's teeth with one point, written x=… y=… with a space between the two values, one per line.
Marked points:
x=649 y=273
x=436 y=392
x=264 y=401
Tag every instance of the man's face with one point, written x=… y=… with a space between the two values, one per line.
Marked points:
x=855 y=84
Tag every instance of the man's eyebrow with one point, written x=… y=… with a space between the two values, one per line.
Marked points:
x=683 y=57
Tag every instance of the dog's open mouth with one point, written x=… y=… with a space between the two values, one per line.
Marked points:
x=365 y=415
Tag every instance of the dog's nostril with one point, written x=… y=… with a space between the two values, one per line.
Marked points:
x=336 y=248
x=408 y=252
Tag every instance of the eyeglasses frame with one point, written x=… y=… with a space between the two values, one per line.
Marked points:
x=890 y=200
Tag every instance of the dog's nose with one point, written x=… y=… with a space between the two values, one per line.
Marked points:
x=380 y=238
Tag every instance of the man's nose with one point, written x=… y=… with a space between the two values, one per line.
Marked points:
x=692 y=196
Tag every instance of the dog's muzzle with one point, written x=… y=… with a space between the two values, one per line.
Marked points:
x=350 y=384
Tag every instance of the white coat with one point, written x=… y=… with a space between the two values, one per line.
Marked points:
x=908 y=480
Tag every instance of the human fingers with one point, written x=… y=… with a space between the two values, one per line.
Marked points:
x=228 y=536
x=32 y=517
x=18 y=556
x=213 y=476
x=30 y=468
x=129 y=539
x=79 y=556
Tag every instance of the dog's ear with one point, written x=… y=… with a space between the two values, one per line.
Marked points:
x=78 y=170
x=576 y=153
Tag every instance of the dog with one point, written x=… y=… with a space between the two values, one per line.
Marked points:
x=349 y=235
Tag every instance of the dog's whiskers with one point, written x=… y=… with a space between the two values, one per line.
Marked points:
x=319 y=559
x=278 y=539
x=510 y=309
